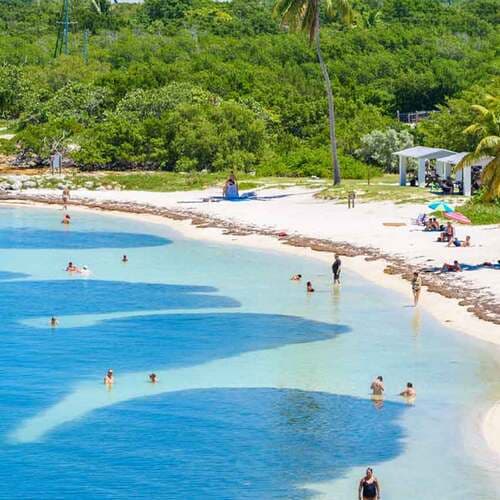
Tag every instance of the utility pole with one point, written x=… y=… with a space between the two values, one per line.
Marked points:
x=62 y=43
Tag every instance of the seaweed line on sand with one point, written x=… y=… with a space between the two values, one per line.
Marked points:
x=479 y=302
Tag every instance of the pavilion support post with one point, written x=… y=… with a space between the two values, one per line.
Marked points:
x=421 y=172
x=467 y=181
x=402 y=170
x=440 y=168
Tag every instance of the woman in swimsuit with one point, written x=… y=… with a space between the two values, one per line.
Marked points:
x=416 y=286
x=109 y=378
x=369 y=488
x=309 y=286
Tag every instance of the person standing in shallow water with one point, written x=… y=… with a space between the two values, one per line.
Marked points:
x=369 y=487
x=109 y=378
x=377 y=386
x=336 y=270
x=416 y=287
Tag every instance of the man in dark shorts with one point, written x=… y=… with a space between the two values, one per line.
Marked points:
x=336 y=270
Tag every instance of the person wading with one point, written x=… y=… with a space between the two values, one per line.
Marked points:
x=369 y=487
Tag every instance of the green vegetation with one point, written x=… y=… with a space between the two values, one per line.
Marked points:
x=486 y=129
x=197 y=85
x=481 y=213
x=385 y=188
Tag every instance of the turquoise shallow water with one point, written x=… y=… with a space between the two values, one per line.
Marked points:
x=263 y=390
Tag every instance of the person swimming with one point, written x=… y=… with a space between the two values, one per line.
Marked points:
x=296 y=277
x=84 y=270
x=309 y=286
x=409 y=391
x=109 y=378
x=71 y=268
x=124 y=258
x=53 y=322
x=153 y=378
x=66 y=219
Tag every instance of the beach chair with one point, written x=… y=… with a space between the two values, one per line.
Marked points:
x=420 y=220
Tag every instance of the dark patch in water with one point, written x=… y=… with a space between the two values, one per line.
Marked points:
x=43 y=239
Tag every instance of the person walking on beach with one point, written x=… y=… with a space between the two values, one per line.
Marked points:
x=369 y=487
x=65 y=197
x=336 y=270
x=416 y=286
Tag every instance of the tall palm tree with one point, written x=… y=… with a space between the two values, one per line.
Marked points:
x=303 y=15
x=487 y=129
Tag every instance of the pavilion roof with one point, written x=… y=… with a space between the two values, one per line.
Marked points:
x=422 y=152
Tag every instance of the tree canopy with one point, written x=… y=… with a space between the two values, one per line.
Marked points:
x=198 y=84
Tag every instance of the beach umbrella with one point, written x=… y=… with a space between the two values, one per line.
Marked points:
x=458 y=217
x=440 y=206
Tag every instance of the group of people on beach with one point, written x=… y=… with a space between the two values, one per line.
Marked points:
x=336 y=267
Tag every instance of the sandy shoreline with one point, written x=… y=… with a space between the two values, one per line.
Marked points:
x=447 y=311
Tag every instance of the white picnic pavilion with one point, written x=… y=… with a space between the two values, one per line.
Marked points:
x=445 y=165
x=421 y=154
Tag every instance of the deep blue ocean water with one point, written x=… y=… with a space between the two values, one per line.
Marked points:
x=263 y=390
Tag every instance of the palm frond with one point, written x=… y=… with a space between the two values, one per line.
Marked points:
x=340 y=7
x=491 y=179
x=480 y=109
x=469 y=160
x=473 y=129
x=491 y=142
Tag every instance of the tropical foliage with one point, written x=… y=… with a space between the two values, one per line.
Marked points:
x=198 y=84
x=486 y=129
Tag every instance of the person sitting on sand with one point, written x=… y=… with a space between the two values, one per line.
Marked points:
x=451 y=268
x=230 y=190
x=153 y=378
x=109 y=379
x=369 y=487
x=71 y=268
x=462 y=243
x=53 y=322
x=377 y=386
x=416 y=286
x=409 y=391
x=309 y=286
x=66 y=219
x=448 y=234
x=296 y=277
x=124 y=258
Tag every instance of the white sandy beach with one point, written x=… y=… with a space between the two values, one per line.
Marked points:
x=296 y=211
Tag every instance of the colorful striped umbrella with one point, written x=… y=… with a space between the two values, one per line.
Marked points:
x=458 y=217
